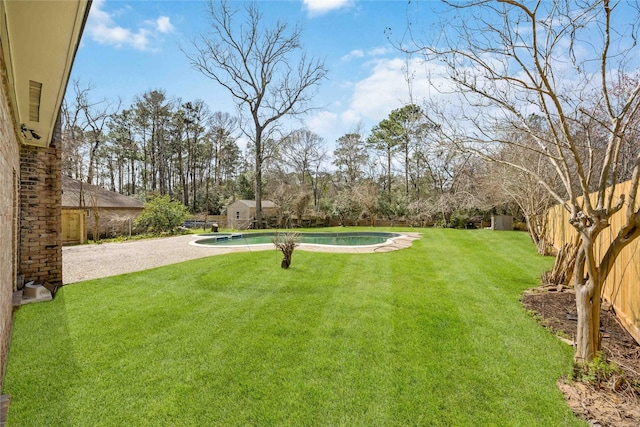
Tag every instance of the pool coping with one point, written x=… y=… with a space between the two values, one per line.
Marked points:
x=401 y=241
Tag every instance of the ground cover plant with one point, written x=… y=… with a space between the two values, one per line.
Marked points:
x=430 y=335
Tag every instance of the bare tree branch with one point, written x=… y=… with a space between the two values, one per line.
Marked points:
x=253 y=63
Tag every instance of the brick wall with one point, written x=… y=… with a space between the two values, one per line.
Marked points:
x=9 y=205
x=40 y=248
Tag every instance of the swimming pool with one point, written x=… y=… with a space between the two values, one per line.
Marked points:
x=360 y=238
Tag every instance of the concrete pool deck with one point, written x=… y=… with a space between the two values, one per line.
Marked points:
x=88 y=262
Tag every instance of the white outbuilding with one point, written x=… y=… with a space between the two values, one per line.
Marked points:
x=241 y=214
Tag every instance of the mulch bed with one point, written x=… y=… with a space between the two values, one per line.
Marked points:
x=615 y=402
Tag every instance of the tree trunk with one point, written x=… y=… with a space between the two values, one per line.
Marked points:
x=133 y=176
x=258 y=217
x=406 y=169
x=588 y=333
x=587 y=285
x=92 y=161
x=389 y=170
x=112 y=176
x=182 y=178
x=258 y=191
x=258 y=188
x=286 y=262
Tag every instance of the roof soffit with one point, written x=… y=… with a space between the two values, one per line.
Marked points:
x=39 y=42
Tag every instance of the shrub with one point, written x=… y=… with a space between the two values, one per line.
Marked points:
x=162 y=215
x=286 y=243
x=459 y=219
x=599 y=372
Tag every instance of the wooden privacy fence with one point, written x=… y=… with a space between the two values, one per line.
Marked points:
x=622 y=287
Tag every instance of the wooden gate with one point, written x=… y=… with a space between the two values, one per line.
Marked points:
x=74 y=226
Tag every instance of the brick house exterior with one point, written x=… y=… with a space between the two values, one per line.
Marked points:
x=9 y=208
x=38 y=42
x=40 y=252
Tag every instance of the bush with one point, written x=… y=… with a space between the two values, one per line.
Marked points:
x=602 y=373
x=459 y=219
x=286 y=243
x=162 y=215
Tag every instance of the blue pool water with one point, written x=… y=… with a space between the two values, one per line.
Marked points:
x=364 y=238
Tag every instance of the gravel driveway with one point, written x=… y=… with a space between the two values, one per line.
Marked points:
x=87 y=262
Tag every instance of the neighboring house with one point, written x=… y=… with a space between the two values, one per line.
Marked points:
x=241 y=214
x=83 y=203
x=38 y=42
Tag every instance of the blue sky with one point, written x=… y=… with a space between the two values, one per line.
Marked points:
x=129 y=47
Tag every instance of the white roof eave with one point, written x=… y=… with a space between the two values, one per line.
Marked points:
x=39 y=43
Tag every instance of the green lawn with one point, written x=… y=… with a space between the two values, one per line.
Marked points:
x=430 y=335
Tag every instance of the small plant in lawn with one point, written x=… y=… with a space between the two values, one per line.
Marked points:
x=599 y=372
x=286 y=243
x=535 y=315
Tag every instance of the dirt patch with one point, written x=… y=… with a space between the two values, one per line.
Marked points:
x=615 y=402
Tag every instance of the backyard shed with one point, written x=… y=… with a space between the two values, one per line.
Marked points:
x=501 y=222
x=241 y=214
x=83 y=203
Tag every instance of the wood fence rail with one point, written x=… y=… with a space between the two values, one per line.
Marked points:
x=622 y=287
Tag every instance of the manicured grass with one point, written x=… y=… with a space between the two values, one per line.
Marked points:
x=430 y=335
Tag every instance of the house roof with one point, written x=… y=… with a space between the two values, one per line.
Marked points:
x=77 y=194
x=39 y=41
x=252 y=203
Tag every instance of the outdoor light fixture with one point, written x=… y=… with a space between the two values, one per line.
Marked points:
x=31 y=133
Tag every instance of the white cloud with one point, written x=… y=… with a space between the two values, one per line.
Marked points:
x=386 y=89
x=359 y=53
x=382 y=91
x=322 y=123
x=350 y=119
x=321 y=7
x=379 y=51
x=356 y=53
x=163 y=24
x=103 y=29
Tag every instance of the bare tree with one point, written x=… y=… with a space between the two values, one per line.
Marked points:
x=283 y=194
x=94 y=208
x=533 y=199
x=304 y=152
x=92 y=117
x=72 y=140
x=222 y=128
x=367 y=197
x=152 y=112
x=562 y=61
x=263 y=68
x=506 y=183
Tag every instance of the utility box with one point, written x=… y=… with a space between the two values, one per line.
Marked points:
x=501 y=222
